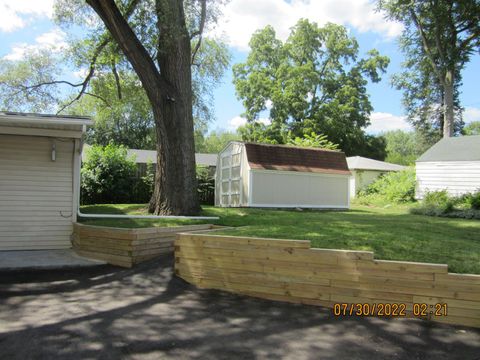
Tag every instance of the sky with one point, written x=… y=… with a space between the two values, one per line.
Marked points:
x=27 y=24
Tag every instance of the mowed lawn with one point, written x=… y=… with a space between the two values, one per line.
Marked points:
x=390 y=232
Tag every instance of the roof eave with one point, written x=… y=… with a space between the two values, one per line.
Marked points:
x=44 y=120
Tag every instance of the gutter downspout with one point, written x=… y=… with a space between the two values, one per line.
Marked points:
x=77 y=166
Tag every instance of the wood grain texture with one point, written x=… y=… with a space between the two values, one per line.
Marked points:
x=126 y=247
x=289 y=270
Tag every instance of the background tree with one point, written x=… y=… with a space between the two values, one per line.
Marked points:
x=313 y=140
x=404 y=148
x=122 y=112
x=158 y=45
x=215 y=141
x=472 y=129
x=438 y=40
x=314 y=81
x=19 y=90
x=124 y=119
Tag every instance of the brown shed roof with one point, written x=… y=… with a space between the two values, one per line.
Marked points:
x=290 y=158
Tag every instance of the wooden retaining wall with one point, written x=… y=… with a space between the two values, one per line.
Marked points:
x=126 y=247
x=289 y=270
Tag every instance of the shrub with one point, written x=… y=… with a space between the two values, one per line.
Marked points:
x=206 y=186
x=472 y=201
x=439 y=203
x=143 y=188
x=397 y=187
x=440 y=200
x=108 y=175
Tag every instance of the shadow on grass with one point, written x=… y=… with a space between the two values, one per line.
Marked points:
x=390 y=236
x=147 y=313
x=114 y=209
x=390 y=232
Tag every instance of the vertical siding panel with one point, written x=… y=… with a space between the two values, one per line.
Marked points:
x=32 y=184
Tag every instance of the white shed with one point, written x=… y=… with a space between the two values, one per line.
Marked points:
x=261 y=175
x=365 y=171
x=39 y=179
x=452 y=164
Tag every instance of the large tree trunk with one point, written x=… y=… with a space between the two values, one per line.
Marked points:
x=448 y=111
x=176 y=153
x=170 y=94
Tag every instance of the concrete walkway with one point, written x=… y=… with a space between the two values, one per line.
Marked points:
x=43 y=259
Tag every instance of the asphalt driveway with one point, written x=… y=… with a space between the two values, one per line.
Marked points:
x=112 y=313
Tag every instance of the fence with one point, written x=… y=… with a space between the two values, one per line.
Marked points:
x=289 y=270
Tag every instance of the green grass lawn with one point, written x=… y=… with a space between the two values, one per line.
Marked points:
x=390 y=232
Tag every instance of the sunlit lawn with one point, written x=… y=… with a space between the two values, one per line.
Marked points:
x=391 y=232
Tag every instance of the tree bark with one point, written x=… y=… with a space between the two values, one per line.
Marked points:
x=448 y=111
x=170 y=94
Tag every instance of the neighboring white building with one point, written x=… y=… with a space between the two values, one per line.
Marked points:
x=39 y=179
x=365 y=171
x=143 y=157
x=452 y=164
x=260 y=175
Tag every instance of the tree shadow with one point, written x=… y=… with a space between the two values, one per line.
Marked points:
x=146 y=312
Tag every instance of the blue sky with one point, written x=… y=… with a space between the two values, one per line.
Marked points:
x=27 y=24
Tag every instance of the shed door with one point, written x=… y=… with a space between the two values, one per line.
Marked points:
x=230 y=178
x=35 y=192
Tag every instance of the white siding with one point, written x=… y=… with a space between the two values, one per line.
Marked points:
x=245 y=171
x=360 y=179
x=36 y=193
x=298 y=189
x=457 y=177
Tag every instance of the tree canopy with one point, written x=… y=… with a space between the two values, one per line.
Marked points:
x=439 y=38
x=215 y=141
x=147 y=70
x=113 y=94
x=472 y=128
x=404 y=148
x=312 y=82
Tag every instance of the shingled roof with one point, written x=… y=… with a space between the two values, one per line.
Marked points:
x=290 y=158
x=462 y=148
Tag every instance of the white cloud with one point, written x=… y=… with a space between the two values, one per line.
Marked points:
x=238 y=121
x=242 y=17
x=471 y=114
x=80 y=74
x=17 y=13
x=53 y=40
x=380 y=122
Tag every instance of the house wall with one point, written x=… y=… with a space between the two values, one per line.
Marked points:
x=298 y=189
x=36 y=193
x=360 y=179
x=457 y=177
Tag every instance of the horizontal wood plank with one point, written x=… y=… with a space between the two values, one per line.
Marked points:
x=276 y=270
